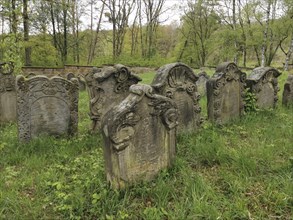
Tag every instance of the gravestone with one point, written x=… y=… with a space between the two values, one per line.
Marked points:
x=139 y=136
x=70 y=76
x=263 y=82
x=201 y=83
x=288 y=92
x=226 y=93
x=46 y=106
x=178 y=82
x=107 y=87
x=81 y=82
x=7 y=93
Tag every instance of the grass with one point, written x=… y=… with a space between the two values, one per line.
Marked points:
x=241 y=170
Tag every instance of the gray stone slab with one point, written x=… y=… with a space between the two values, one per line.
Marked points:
x=263 y=82
x=107 y=87
x=201 y=83
x=139 y=136
x=7 y=93
x=178 y=82
x=226 y=93
x=287 y=99
x=46 y=106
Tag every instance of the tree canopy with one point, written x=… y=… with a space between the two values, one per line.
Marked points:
x=142 y=33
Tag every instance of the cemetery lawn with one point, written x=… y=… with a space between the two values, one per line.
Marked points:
x=242 y=170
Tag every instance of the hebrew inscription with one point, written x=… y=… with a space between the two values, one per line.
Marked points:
x=107 y=87
x=288 y=92
x=178 y=82
x=7 y=93
x=139 y=136
x=46 y=106
x=263 y=82
x=226 y=93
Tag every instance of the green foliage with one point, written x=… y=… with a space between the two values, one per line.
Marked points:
x=241 y=170
x=12 y=51
x=250 y=101
x=43 y=52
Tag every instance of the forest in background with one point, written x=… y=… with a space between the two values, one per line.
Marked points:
x=57 y=32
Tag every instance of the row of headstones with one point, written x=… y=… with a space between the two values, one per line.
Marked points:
x=137 y=121
x=138 y=124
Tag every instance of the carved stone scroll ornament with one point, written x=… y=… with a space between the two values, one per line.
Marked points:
x=46 y=106
x=226 y=93
x=139 y=136
x=263 y=82
x=107 y=87
x=178 y=82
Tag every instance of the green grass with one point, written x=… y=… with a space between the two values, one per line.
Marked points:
x=241 y=170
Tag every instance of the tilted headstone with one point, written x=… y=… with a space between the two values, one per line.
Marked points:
x=46 y=106
x=139 y=136
x=226 y=93
x=178 y=82
x=7 y=93
x=107 y=87
x=201 y=83
x=263 y=82
x=288 y=92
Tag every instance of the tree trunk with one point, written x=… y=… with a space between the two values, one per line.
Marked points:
x=265 y=36
x=64 y=55
x=53 y=25
x=95 y=40
x=13 y=18
x=26 y=33
x=234 y=29
x=288 y=55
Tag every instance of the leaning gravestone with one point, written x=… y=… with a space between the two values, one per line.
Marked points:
x=7 y=93
x=201 y=83
x=139 y=136
x=178 y=82
x=288 y=92
x=46 y=106
x=107 y=87
x=263 y=82
x=226 y=93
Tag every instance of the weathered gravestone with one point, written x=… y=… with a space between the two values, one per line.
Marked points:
x=107 y=87
x=139 y=136
x=263 y=82
x=201 y=83
x=288 y=92
x=46 y=106
x=178 y=82
x=81 y=81
x=7 y=93
x=226 y=93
